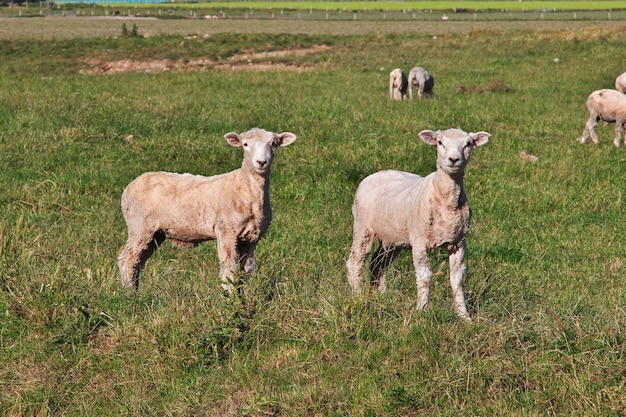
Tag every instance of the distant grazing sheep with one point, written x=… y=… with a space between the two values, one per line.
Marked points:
x=620 y=83
x=233 y=208
x=608 y=106
x=398 y=84
x=405 y=211
x=422 y=80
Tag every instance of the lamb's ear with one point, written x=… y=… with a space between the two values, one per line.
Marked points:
x=480 y=138
x=233 y=139
x=429 y=137
x=286 y=138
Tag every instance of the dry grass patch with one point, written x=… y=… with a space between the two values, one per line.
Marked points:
x=240 y=62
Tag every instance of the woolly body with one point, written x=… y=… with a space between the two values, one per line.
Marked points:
x=233 y=208
x=402 y=210
x=422 y=80
x=608 y=106
x=398 y=84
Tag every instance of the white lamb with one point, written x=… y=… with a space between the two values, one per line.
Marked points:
x=398 y=84
x=608 y=106
x=233 y=208
x=422 y=80
x=620 y=83
x=405 y=211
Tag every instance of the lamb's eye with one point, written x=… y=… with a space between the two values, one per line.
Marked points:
x=439 y=143
x=245 y=144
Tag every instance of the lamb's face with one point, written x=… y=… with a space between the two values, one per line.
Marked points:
x=259 y=147
x=454 y=148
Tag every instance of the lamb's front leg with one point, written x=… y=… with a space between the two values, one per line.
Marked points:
x=228 y=256
x=458 y=269
x=423 y=275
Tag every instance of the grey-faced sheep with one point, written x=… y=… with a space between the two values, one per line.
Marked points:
x=402 y=210
x=233 y=208
x=398 y=84
x=422 y=80
x=620 y=83
x=608 y=106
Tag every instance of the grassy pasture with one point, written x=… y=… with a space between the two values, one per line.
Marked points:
x=399 y=5
x=53 y=29
x=343 y=11
x=546 y=249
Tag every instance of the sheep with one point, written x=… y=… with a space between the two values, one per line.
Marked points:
x=398 y=84
x=402 y=210
x=423 y=80
x=233 y=208
x=608 y=106
x=620 y=83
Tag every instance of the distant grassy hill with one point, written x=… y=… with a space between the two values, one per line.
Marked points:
x=401 y=5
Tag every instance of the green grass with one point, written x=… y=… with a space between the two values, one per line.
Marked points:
x=158 y=13
x=394 y=5
x=546 y=252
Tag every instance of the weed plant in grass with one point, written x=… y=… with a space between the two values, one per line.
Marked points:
x=546 y=253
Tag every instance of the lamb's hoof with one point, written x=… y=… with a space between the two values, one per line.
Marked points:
x=465 y=317
x=580 y=140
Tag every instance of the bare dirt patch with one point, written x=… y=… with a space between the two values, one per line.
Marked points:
x=241 y=62
x=496 y=85
x=150 y=66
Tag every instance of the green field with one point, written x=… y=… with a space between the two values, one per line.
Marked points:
x=337 y=11
x=546 y=251
x=397 y=5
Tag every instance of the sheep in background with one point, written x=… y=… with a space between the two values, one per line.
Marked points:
x=398 y=84
x=233 y=208
x=405 y=211
x=423 y=80
x=608 y=106
x=620 y=83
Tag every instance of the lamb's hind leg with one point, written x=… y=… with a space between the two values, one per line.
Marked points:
x=246 y=257
x=134 y=255
x=361 y=245
x=619 y=127
x=590 y=129
x=379 y=263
